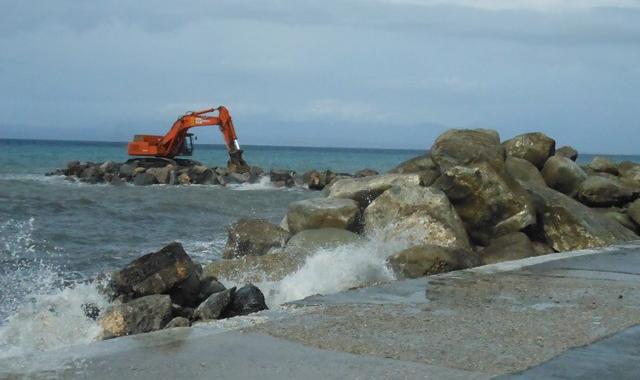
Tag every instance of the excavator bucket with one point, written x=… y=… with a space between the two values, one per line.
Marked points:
x=236 y=163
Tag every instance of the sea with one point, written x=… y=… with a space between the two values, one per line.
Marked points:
x=57 y=237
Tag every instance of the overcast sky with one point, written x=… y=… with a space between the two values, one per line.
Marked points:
x=386 y=73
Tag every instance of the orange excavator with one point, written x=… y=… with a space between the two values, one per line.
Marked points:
x=178 y=142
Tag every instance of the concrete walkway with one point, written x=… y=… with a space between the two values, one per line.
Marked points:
x=568 y=315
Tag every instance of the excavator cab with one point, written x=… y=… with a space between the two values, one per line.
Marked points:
x=187 y=145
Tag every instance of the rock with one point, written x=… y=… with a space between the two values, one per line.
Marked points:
x=568 y=152
x=534 y=147
x=630 y=171
x=247 y=300
x=154 y=273
x=365 y=190
x=307 y=242
x=138 y=170
x=489 y=201
x=316 y=180
x=178 y=322
x=208 y=286
x=563 y=175
x=620 y=217
x=253 y=237
x=365 y=173
x=425 y=260
x=187 y=293
x=141 y=315
x=634 y=211
x=201 y=175
x=144 y=179
x=116 y=181
x=213 y=307
x=541 y=248
x=285 y=177
x=255 y=173
x=323 y=213
x=241 y=177
x=90 y=310
x=465 y=147
x=125 y=170
x=569 y=225
x=416 y=215
x=108 y=167
x=91 y=174
x=162 y=175
x=184 y=179
x=599 y=191
x=524 y=171
x=415 y=165
x=513 y=246
x=603 y=164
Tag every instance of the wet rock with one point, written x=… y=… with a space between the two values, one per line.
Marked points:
x=365 y=190
x=253 y=237
x=534 y=147
x=603 y=192
x=465 y=147
x=634 y=211
x=246 y=300
x=184 y=179
x=90 y=310
x=489 y=201
x=568 y=152
x=569 y=225
x=116 y=181
x=323 y=213
x=178 y=322
x=603 y=164
x=365 y=173
x=241 y=177
x=425 y=260
x=620 y=217
x=208 y=286
x=523 y=170
x=163 y=174
x=138 y=170
x=415 y=165
x=154 y=273
x=541 y=248
x=630 y=171
x=92 y=174
x=214 y=305
x=186 y=293
x=255 y=173
x=282 y=177
x=316 y=180
x=563 y=175
x=417 y=215
x=307 y=242
x=144 y=179
x=513 y=246
x=141 y=315
x=108 y=167
x=125 y=170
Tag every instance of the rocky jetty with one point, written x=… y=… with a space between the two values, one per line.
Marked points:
x=471 y=199
x=167 y=289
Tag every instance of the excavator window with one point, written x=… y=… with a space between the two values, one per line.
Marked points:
x=187 y=146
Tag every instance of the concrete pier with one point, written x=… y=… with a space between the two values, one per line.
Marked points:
x=566 y=315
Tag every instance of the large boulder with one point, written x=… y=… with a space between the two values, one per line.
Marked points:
x=600 y=191
x=141 y=315
x=365 y=173
x=214 y=306
x=535 y=147
x=144 y=179
x=634 y=211
x=425 y=260
x=523 y=170
x=162 y=175
x=568 y=152
x=323 y=213
x=417 y=215
x=630 y=171
x=466 y=147
x=282 y=177
x=569 y=225
x=253 y=237
x=513 y=246
x=619 y=216
x=316 y=180
x=422 y=165
x=246 y=300
x=365 y=190
x=489 y=201
x=563 y=175
x=154 y=273
x=308 y=242
x=604 y=165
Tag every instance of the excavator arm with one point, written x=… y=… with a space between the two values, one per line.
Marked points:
x=173 y=143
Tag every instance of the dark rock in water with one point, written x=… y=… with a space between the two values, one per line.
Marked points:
x=125 y=170
x=180 y=311
x=603 y=192
x=569 y=225
x=365 y=173
x=255 y=173
x=154 y=273
x=138 y=316
x=534 y=147
x=563 y=175
x=208 y=286
x=284 y=177
x=568 y=152
x=316 y=180
x=186 y=293
x=425 y=260
x=604 y=165
x=213 y=306
x=116 y=181
x=322 y=213
x=91 y=174
x=91 y=310
x=246 y=300
x=144 y=179
x=513 y=246
x=162 y=175
x=178 y=322
x=253 y=237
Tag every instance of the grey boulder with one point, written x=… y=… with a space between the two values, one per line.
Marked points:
x=513 y=246
x=535 y=147
x=322 y=213
x=563 y=175
x=141 y=315
x=214 y=306
x=253 y=237
x=425 y=260
x=600 y=191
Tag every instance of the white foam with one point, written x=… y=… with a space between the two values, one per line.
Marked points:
x=263 y=184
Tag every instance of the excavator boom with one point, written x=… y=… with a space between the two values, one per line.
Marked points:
x=177 y=142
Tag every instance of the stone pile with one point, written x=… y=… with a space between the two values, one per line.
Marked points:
x=167 y=289
x=470 y=200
